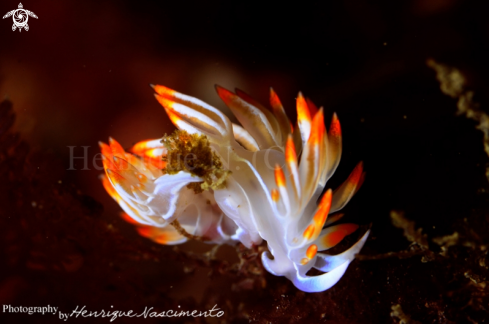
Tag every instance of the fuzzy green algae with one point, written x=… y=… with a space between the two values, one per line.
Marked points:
x=192 y=153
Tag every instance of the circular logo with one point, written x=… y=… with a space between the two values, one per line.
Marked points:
x=20 y=18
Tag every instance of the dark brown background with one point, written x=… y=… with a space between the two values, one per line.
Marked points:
x=82 y=73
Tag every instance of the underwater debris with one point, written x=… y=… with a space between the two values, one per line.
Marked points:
x=454 y=84
x=419 y=241
x=446 y=241
x=413 y=235
x=397 y=312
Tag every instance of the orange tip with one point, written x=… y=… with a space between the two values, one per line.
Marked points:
x=163 y=91
x=279 y=176
x=303 y=113
x=335 y=128
x=311 y=251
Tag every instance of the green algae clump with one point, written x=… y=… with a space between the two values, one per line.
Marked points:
x=193 y=153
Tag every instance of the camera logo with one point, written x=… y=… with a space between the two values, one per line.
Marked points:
x=20 y=17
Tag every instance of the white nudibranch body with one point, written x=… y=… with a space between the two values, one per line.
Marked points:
x=221 y=182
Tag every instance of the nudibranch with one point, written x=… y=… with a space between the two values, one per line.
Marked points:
x=220 y=182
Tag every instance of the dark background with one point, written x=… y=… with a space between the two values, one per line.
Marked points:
x=82 y=73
